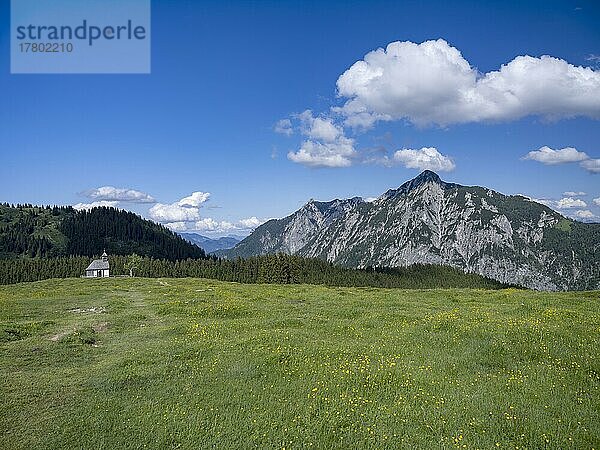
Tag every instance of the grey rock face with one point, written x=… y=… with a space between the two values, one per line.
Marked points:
x=508 y=238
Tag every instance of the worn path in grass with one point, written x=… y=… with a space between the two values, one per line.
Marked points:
x=188 y=363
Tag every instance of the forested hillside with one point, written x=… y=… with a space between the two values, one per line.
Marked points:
x=51 y=231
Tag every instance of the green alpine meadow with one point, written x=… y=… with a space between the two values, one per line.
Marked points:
x=131 y=363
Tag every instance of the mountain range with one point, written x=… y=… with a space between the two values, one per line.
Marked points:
x=210 y=245
x=508 y=238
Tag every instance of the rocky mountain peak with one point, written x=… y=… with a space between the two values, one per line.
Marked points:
x=427 y=176
x=429 y=221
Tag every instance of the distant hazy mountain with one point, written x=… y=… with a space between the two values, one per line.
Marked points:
x=508 y=238
x=210 y=245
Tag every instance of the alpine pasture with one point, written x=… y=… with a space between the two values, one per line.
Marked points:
x=196 y=363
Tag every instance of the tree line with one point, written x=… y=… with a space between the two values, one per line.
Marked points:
x=279 y=269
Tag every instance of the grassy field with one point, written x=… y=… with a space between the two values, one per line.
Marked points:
x=191 y=363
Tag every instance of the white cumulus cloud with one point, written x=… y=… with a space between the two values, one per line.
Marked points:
x=251 y=222
x=585 y=214
x=184 y=215
x=596 y=201
x=167 y=213
x=324 y=154
x=284 y=126
x=591 y=165
x=177 y=226
x=432 y=83
x=194 y=200
x=111 y=193
x=213 y=226
x=547 y=155
x=569 y=202
x=574 y=194
x=424 y=158
x=319 y=128
x=185 y=210
x=326 y=146
x=98 y=204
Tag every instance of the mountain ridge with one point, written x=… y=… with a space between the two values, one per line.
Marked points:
x=428 y=221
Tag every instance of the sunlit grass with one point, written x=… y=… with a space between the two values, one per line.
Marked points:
x=186 y=363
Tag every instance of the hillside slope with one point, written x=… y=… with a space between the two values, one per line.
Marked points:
x=507 y=238
x=27 y=230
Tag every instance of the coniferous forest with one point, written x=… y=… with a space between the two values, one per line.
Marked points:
x=278 y=269
x=50 y=231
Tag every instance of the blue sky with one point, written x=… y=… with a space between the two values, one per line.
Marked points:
x=224 y=73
